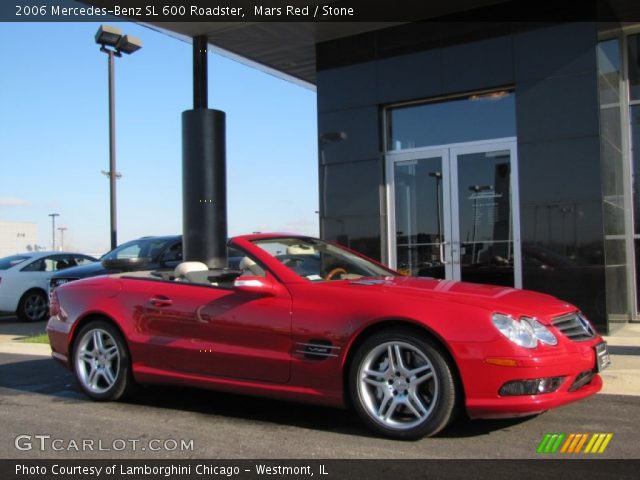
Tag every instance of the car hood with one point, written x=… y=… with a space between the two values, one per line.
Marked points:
x=82 y=271
x=496 y=298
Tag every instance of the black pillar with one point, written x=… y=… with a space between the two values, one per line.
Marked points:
x=204 y=198
x=200 y=90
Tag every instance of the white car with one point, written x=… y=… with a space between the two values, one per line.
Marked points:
x=24 y=281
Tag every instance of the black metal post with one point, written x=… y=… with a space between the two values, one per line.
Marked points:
x=204 y=189
x=200 y=90
x=112 y=150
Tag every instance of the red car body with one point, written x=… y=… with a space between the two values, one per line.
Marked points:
x=294 y=339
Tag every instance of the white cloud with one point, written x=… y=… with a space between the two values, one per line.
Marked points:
x=13 y=202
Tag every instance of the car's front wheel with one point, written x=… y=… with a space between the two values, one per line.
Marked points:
x=33 y=306
x=402 y=385
x=101 y=362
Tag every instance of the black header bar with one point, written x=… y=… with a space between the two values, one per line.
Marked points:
x=320 y=10
x=317 y=469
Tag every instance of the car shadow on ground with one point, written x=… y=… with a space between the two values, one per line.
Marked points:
x=44 y=376
x=623 y=350
x=10 y=325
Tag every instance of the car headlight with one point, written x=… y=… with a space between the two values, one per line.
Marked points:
x=520 y=333
x=542 y=333
x=525 y=332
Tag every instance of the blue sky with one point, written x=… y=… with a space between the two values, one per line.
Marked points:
x=54 y=137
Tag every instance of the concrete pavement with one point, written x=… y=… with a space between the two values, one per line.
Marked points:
x=621 y=378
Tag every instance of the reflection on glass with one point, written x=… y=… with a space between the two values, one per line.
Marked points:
x=613 y=179
x=419 y=217
x=634 y=66
x=484 y=204
x=634 y=114
x=476 y=117
x=609 y=71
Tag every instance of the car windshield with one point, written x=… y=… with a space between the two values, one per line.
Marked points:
x=13 y=260
x=316 y=260
x=141 y=248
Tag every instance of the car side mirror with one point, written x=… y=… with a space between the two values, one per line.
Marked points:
x=257 y=285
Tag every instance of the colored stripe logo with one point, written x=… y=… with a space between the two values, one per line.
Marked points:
x=574 y=443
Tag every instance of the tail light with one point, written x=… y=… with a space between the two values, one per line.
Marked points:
x=54 y=304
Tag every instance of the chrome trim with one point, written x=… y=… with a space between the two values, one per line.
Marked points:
x=323 y=355
x=320 y=350
x=302 y=344
x=574 y=326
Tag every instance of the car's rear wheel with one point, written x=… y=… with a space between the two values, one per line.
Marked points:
x=101 y=362
x=401 y=384
x=33 y=306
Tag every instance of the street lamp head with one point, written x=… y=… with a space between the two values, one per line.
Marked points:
x=480 y=188
x=108 y=35
x=129 y=44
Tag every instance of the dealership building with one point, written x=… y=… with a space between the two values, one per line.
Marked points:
x=502 y=152
x=17 y=237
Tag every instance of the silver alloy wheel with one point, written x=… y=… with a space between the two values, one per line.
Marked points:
x=397 y=385
x=35 y=306
x=97 y=360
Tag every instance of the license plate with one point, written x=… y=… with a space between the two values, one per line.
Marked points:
x=602 y=356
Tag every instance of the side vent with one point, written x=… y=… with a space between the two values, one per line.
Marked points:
x=317 y=349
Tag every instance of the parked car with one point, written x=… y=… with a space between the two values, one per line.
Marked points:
x=406 y=353
x=24 y=281
x=152 y=253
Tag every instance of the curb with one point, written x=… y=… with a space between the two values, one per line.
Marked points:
x=23 y=348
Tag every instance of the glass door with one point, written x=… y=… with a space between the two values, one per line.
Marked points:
x=421 y=231
x=451 y=213
x=484 y=246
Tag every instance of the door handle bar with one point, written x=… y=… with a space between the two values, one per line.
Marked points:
x=161 y=301
x=442 y=260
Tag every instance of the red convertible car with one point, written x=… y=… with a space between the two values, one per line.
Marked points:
x=306 y=320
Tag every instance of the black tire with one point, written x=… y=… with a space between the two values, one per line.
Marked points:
x=33 y=306
x=407 y=399
x=102 y=363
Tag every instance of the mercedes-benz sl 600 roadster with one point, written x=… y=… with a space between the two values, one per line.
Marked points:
x=301 y=319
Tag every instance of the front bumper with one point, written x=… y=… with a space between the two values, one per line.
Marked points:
x=575 y=361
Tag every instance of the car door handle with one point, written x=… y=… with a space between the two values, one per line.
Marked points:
x=160 y=301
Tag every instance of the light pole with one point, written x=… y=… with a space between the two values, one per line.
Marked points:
x=476 y=189
x=114 y=44
x=62 y=229
x=53 y=230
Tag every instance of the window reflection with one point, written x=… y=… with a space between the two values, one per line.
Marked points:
x=609 y=71
x=419 y=216
x=634 y=67
x=484 y=202
x=634 y=114
x=453 y=121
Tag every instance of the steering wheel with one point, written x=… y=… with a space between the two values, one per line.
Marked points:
x=334 y=272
